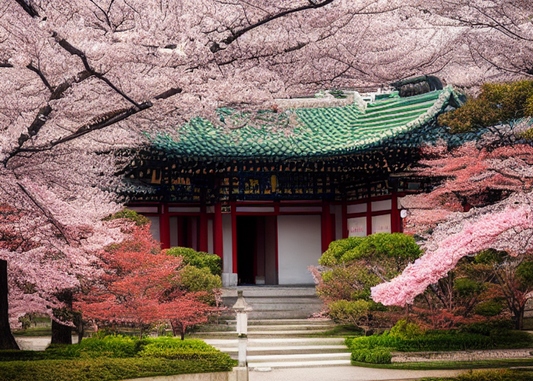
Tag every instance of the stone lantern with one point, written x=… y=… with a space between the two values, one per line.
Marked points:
x=241 y=309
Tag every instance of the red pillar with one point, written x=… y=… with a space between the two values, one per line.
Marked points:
x=326 y=226
x=395 y=214
x=202 y=246
x=164 y=226
x=344 y=221
x=234 y=237
x=369 y=217
x=218 y=243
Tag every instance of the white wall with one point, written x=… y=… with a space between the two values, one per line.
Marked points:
x=299 y=246
x=154 y=227
x=227 y=258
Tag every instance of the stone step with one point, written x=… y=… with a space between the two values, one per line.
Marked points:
x=289 y=327
x=266 y=291
x=293 y=332
x=277 y=342
x=298 y=364
x=298 y=357
x=254 y=322
x=297 y=349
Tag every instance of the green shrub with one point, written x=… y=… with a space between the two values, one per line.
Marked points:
x=495 y=375
x=375 y=356
x=349 y=312
x=488 y=308
x=198 y=259
x=158 y=345
x=111 y=368
x=405 y=330
x=200 y=279
x=486 y=327
x=139 y=219
x=114 y=358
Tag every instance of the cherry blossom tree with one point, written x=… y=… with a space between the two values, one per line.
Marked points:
x=485 y=202
x=498 y=35
x=81 y=79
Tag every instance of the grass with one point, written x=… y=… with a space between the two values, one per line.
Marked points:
x=37 y=331
x=440 y=365
x=489 y=375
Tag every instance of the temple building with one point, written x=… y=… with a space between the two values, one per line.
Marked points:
x=268 y=191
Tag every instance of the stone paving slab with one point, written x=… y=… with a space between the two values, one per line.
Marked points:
x=346 y=373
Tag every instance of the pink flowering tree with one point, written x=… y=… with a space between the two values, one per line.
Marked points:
x=79 y=80
x=485 y=202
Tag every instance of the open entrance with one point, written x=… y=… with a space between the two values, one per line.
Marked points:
x=257 y=250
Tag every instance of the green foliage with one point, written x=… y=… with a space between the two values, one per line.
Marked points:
x=405 y=330
x=349 y=312
x=399 y=247
x=355 y=265
x=349 y=282
x=488 y=308
x=196 y=279
x=524 y=272
x=497 y=103
x=490 y=375
x=405 y=339
x=490 y=257
x=139 y=219
x=375 y=356
x=465 y=287
x=486 y=327
x=114 y=358
x=97 y=369
x=198 y=259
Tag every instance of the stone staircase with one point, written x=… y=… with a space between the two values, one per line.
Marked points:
x=280 y=335
x=276 y=302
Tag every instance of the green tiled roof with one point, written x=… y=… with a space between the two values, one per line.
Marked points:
x=317 y=132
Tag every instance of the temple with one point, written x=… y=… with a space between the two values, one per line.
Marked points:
x=268 y=191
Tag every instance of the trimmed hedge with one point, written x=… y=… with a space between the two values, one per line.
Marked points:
x=450 y=340
x=111 y=368
x=114 y=358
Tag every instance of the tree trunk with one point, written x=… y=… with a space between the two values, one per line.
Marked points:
x=7 y=341
x=178 y=328
x=519 y=318
x=62 y=334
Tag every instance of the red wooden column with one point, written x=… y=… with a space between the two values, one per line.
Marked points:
x=326 y=226
x=345 y=233
x=164 y=226
x=395 y=215
x=218 y=243
x=234 y=237
x=369 y=217
x=202 y=245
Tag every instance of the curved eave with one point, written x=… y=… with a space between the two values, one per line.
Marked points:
x=325 y=132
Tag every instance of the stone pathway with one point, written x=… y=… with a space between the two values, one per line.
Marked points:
x=346 y=373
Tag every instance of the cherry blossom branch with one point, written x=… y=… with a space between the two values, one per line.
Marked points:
x=98 y=123
x=313 y=4
x=46 y=213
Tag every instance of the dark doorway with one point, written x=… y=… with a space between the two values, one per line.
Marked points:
x=257 y=250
